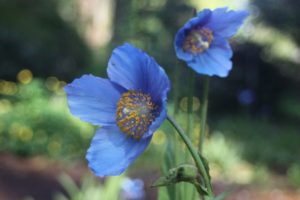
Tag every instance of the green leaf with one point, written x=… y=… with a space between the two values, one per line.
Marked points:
x=161 y=181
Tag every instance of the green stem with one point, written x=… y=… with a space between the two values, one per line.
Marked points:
x=176 y=94
x=203 y=113
x=176 y=86
x=194 y=153
x=191 y=82
x=189 y=116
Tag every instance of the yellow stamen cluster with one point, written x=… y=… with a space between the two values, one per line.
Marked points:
x=135 y=113
x=198 y=40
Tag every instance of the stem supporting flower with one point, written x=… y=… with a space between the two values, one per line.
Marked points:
x=194 y=153
x=203 y=113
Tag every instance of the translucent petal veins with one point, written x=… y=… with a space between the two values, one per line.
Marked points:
x=135 y=113
x=197 y=40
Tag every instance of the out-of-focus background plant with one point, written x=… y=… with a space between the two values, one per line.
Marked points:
x=253 y=146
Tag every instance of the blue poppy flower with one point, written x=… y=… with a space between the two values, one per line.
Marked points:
x=202 y=41
x=129 y=107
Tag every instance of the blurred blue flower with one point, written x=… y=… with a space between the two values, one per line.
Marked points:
x=246 y=97
x=129 y=107
x=132 y=189
x=202 y=41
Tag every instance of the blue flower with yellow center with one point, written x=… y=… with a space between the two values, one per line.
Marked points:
x=203 y=41
x=129 y=107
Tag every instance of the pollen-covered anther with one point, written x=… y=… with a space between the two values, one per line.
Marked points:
x=135 y=113
x=198 y=40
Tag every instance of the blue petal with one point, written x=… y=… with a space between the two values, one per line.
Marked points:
x=204 y=16
x=135 y=70
x=158 y=121
x=178 y=43
x=221 y=46
x=218 y=61
x=93 y=99
x=200 y=20
x=215 y=61
x=200 y=66
x=226 y=23
x=111 y=151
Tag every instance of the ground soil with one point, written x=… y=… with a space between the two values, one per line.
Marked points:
x=36 y=177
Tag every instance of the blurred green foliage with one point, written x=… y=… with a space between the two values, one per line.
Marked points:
x=90 y=188
x=33 y=36
x=293 y=175
x=262 y=142
x=35 y=120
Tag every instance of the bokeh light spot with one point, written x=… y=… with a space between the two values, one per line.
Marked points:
x=60 y=88
x=54 y=147
x=184 y=103
x=25 y=134
x=8 y=87
x=21 y=132
x=159 y=137
x=5 y=106
x=24 y=76
x=52 y=83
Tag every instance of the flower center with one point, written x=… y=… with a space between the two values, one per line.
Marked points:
x=135 y=113
x=198 y=40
